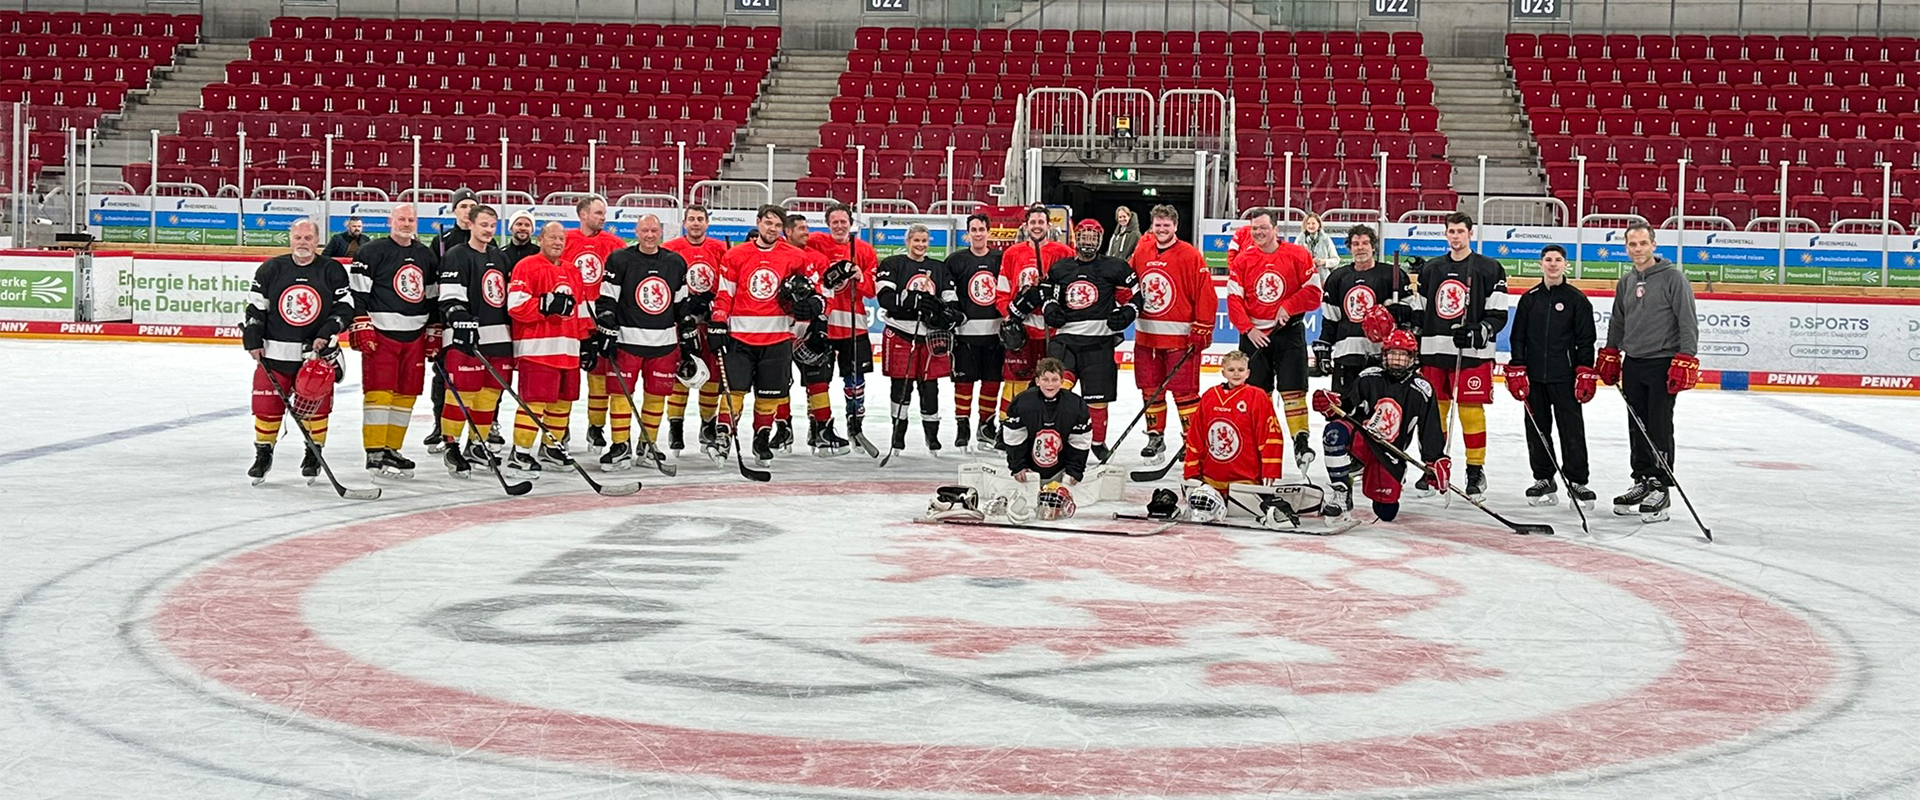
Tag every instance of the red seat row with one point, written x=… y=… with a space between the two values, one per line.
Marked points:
x=460 y=79
x=890 y=65
x=930 y=137
x=907 y=162
x=1722 y=97
x=1742 y=207
x=1735 y=73
x=922 y=192
x=394 y=181
x=1112 y=42
x=1752 y=47
x=364 y=154
x=1347 y=172
x=1734 y=150
x=486 y=129
x=1398 y=145
x=228 y=97
x=1763 y=124
x=389 y=55
x=467 y=32
x=1715 y=178
x=177 y=28
x=1399 y=201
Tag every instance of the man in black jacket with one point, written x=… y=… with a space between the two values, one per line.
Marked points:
x=1551 y=371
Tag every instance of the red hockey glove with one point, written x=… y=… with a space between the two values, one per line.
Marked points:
x=1442 y=469
x=435 y=335
x=1682 y=373
x=1609 y=366
x=1324 y=400
x=1585 y=383
x=361 y=335
x=1517 y=381
x=1377 y=324
x=1198 y=338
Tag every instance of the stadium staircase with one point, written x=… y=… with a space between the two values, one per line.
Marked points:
x=1480 y=114
x=793 y=106
x=127 y=140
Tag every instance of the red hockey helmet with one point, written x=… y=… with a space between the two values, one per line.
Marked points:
x=1396 y=343
x=1090 y=224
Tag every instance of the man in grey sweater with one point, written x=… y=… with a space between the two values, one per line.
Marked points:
x=1651 y=340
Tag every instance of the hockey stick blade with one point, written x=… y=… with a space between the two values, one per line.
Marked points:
x=1023 y=526
x=865 y=444
x=512 y=489
x=1152 y=474
x=733 y=431
x=1333 y=530
x=646 y=439
x=621 y=490
x=1524 y=529
x=314 y=448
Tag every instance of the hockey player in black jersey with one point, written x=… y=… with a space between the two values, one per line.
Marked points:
x=1346 y=345
x=1090 y=302
x=1049 y=429
x=298 y=303
x=473 y=302
x=640 y=314
x=1390 y=401
x=917 y=299
x=978 y=355
x=396 y=331
x=1460 y=306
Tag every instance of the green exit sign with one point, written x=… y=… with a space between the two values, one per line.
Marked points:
x=1124 y=175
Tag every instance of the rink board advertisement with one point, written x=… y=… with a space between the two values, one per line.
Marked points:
x=37 y=286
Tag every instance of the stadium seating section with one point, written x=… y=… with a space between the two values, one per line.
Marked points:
x=72 y=68
x=548 y=88
x=1334 y=99
x=1734 y=106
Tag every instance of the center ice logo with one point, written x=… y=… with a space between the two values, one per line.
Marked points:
x=653 y=296
x=1082 y=294
x=980 y=289
x=410 y=283
x=300 y=304
x=1158 y=291
x=1450 y=299
x=1269 y=288
x=1223 y=442
x=1358 y=302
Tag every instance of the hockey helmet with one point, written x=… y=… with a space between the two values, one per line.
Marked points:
x=692 y=372
x=813 y=351
x=1056 y=502
x=955 y=502
x=1013 y=333
x=940 y=342
x=1087 y=236
x=1399 y=341
x=312 y=388
x=796 y=294
x=1204 y=503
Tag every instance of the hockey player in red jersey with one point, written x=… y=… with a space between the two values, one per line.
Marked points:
x=1389 y=401
x=395 y=333
x=549 y=324
x=587 y=250
x=298 y=303
x=1270 y=288
x=1237 y=438
x=752 y=330
x=702 y=254
x=1177 y=307
x=1024 y=333
x=848 y=285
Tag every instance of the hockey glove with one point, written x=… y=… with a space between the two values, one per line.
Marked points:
x=1013 y=333
x=929 y=307
x=955 y=316
x=838 y=275
x=556 y=304
x=1325 y=401
x=1377 y=324
x=1608 y=365
x=1517 y=381
x=1121 y=316
x=1028 y=301
x=1471 y=337
x=436 y=334
x=1322 y=359
x=1198 y=338
x=361 y=335
x=1442 y=469
x=466 y=336
x=590 y=353
x=719 y=337
x=1585 y=381
x=699 y=305
x=1682 y=373
x=1054 y=313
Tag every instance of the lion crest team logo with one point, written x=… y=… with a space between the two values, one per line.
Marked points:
x=410 y=283
x=653 y=295
x=1384 y=422
x=1029 y=276
x=300 y=304
x=1158 y=291
x=1223 y=442
x=493 y=288
x=1082 y=294
x=921 y=282
x=1358 y=302
x=762 y=284
x=980 y=288
x=1450 y=299
x=590 y=266
x=700 y=278
x=1269 y=288
x=1047 y=445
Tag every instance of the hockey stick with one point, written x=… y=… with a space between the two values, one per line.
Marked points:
x=859 y=437
x=1158 y=392
x=314 y=448
x=513 y=489
x=1547 y=446
x=1661 y=459
x=1335 y=530
x=913 y=356
x=606 y=491
x=654 y=455
x=1522 y=528
x=733 y=430
x=1024 y=526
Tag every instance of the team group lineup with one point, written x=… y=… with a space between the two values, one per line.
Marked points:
x=1027 y=336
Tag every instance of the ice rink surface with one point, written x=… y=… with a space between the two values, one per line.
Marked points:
x=167 y=631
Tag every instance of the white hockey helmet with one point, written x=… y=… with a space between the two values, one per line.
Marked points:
x=693 y=373
x=1204 y=503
